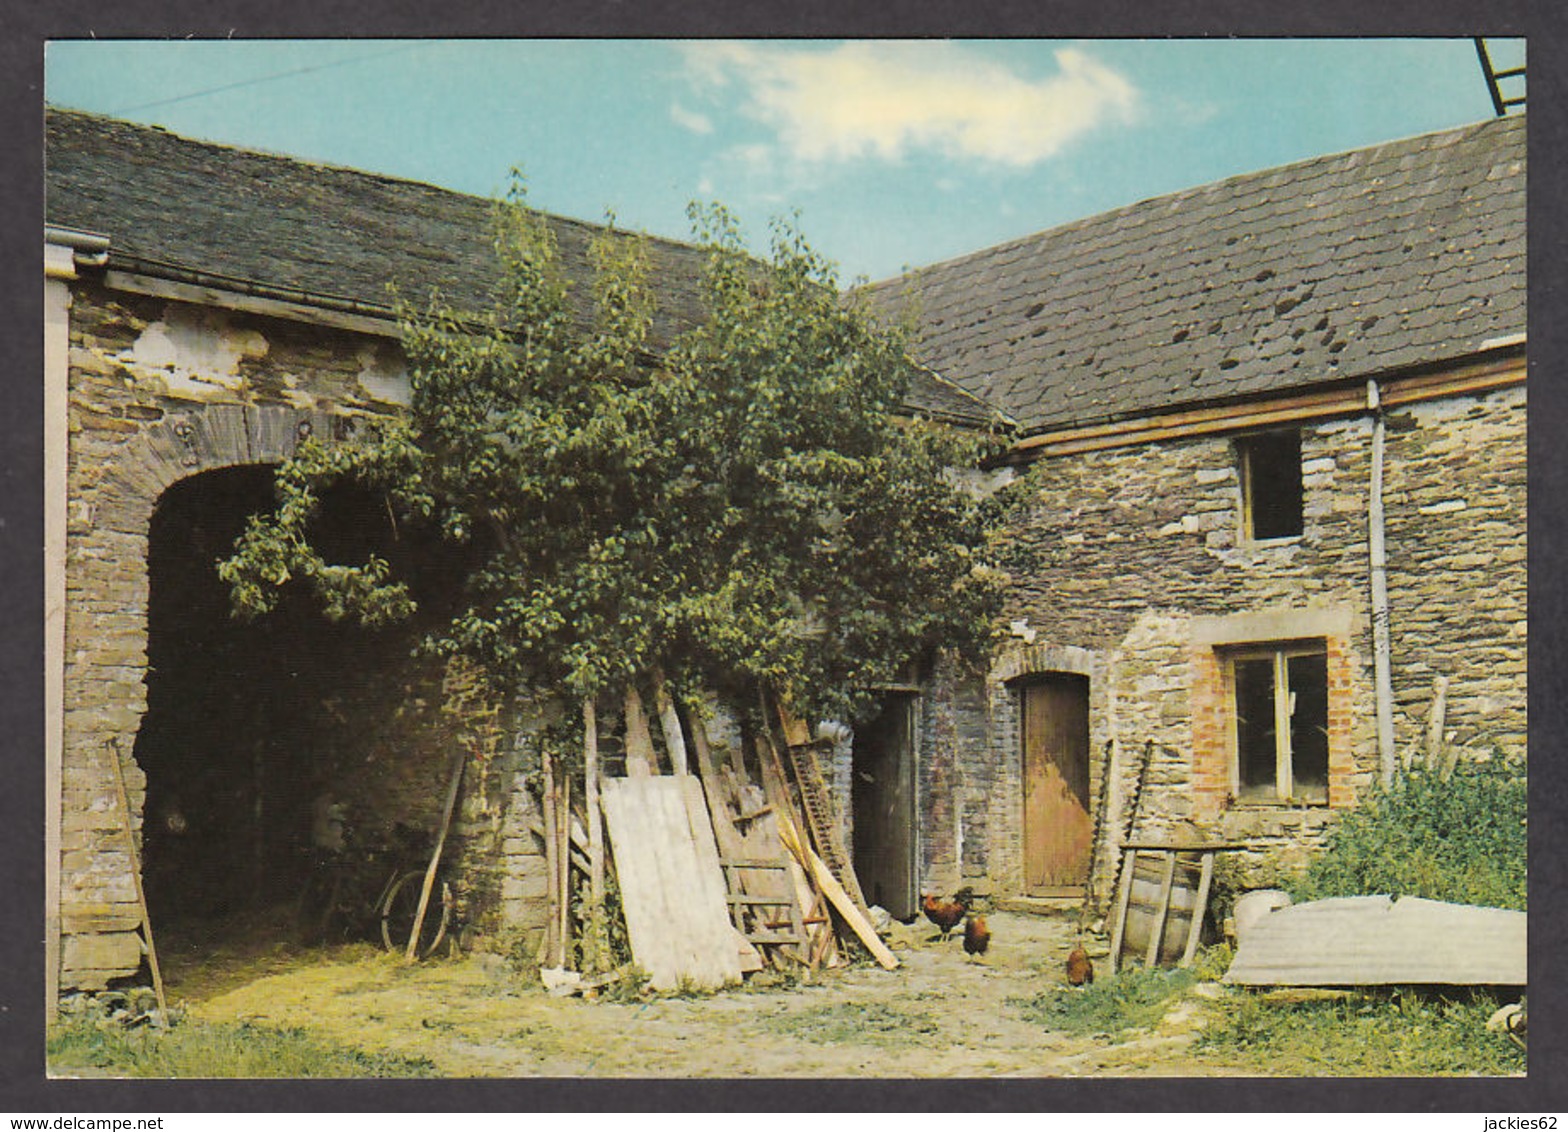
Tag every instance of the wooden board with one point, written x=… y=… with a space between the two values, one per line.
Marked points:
x=672 y=890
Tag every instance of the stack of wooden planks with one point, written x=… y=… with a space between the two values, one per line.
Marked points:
x=721 y=872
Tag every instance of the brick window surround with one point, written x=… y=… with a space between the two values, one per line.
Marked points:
x=1214 y=784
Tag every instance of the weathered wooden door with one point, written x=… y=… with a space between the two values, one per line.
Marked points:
x=883 y=799
x=1058 y=828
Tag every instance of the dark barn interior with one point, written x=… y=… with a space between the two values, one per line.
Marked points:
x=250 y=723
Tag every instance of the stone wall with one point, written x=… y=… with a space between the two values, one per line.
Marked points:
x=1129 y=567
x=159 y=391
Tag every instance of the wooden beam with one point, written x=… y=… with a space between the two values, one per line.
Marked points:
x=1465 y=380
x=1156 y=937
x=137 y=284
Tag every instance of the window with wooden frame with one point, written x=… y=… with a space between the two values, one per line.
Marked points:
x=1279 y=708
x=1271 y=491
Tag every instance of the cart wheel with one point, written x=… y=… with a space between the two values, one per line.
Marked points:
x=397 y=915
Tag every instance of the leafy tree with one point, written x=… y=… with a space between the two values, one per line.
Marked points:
x=743 y=507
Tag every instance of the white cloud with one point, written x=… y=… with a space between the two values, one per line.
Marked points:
x=885 y=100
x=696 y=122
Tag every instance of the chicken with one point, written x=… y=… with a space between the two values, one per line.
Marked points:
x=945 y=914
x=1080 y=972
x=977 y=937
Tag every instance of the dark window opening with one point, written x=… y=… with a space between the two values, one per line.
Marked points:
x=1280 y=706
x=1271 y=484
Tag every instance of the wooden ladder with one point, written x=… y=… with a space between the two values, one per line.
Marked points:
x=760 y=928
x=818 y=808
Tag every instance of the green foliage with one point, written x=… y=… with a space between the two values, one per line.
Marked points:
x=742 y=508
x=196 y=1049
x=1381 y=1033
x=1461 y=838
x=1132 y=999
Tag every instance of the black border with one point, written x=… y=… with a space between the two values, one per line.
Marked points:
x=29 y=23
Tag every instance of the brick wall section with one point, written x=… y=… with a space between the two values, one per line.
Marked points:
x=1125 y=549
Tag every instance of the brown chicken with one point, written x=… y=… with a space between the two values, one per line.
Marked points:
x=945 y=914
x=977 y=937
x=1080 y=972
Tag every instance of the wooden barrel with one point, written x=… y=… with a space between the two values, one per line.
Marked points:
x=1143 y=907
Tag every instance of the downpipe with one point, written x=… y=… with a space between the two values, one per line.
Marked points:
x=1382 y=668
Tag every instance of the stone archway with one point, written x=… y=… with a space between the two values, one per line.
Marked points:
x=105 y=661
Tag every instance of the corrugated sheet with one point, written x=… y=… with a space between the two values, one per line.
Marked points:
x=1379 y=941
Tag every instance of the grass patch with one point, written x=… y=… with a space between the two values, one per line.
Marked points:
x=860 y=1023
x=196 y=1049
x=1133 y=999
x=1374 y=1034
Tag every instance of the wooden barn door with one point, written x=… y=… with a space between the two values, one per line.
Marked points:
x=1058 y=828
x=883 y=798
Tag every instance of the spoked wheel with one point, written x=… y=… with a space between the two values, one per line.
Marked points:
x=397 y=915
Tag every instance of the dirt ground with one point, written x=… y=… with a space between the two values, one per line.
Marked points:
x=940 y=1014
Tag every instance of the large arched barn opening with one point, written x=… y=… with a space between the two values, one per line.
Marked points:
x=255 y=729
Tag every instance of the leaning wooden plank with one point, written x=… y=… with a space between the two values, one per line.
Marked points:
x=710 y=871
x=836 y=894
x=1378 y=941
x=676 y=918
x=639 y=741
x=669 y=723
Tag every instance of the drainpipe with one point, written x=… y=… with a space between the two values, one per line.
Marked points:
x=1382 y=675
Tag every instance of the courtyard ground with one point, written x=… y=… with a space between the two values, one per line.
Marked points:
x=940 y=1014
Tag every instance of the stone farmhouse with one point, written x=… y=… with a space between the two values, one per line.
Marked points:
x=1271 y=439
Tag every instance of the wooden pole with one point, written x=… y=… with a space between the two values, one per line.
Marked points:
x=670 y=722
x=435 y=857
x=552 y=867
x=639 y=744
x=1157 y=936
x=136 y=870
x=591 y=789
x=563 y=814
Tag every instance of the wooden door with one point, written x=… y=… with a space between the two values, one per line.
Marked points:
x=883 y=800
x=1058 y=828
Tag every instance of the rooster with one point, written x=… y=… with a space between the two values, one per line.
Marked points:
x=1080 y=972
x=946 y=914
x=977 y=937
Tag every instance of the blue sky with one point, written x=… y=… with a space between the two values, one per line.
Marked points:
x=894 y=153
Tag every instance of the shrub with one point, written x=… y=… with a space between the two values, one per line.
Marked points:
x=1460 y=838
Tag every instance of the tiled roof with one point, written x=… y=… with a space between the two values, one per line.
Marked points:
x=1402 y=254
x=337 y=235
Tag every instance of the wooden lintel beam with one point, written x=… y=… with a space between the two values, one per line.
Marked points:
x=1235 y=418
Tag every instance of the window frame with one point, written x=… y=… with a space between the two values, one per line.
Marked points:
x=1281 y=653
x=1246 y=447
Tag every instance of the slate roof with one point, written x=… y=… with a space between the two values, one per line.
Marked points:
x=282 y=226
x=1342 y=266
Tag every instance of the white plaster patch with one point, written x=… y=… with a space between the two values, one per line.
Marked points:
x=383 y=378
x=194 y=351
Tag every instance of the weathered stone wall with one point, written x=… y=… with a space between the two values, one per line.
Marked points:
x=1130 y=561
x=159 y=391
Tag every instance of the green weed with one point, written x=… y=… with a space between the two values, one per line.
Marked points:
x=1133 y=999
x=1398 y=1032
x=196 y=1049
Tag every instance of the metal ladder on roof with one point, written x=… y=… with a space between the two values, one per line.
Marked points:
x=1502 y=102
